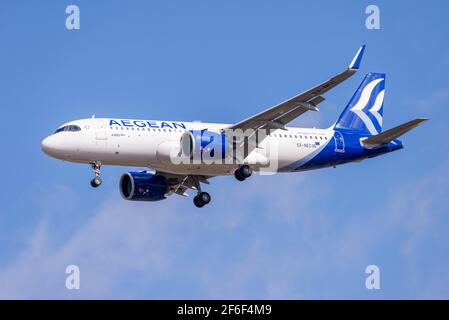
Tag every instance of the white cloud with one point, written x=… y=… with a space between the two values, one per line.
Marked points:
x=264 y=238
x=125 y=238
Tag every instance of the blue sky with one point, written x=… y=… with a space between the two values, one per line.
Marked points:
x=306 y=235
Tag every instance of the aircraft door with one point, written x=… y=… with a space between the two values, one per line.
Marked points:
x=100 y=130
x=339 y=142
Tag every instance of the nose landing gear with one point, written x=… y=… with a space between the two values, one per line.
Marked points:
x=96 y=167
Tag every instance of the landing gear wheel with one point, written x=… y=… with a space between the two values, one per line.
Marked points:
x=204 y=197
x=201 y=199
x=95 y=182
x=243 y=172
x=197 y=203
x=246 y=171
x=238 y=175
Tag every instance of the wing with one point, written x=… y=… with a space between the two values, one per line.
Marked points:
x=179 y=183
x=278 y=116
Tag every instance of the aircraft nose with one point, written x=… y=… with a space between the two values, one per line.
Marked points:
x=49 y=145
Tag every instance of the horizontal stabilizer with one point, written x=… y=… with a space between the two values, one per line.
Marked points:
x=391 y=134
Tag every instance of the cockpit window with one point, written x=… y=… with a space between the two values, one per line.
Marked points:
x=68 y=128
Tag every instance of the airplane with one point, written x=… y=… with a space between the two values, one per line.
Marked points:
x=181 y=156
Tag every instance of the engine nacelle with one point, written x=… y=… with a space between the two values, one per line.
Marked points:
x=204 y=145
x=143 y=186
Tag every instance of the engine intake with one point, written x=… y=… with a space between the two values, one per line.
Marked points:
x=204 y=145
x=143 y=186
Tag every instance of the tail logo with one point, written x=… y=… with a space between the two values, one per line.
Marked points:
x=363 y=107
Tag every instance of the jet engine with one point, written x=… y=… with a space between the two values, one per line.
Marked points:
x=143 y=186
x=204 y=145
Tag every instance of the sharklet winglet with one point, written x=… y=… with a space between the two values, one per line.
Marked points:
x=355 y=63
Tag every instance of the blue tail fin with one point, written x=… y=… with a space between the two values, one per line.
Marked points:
x=364 y=111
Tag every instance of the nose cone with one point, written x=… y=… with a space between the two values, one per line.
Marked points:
x=51 y=146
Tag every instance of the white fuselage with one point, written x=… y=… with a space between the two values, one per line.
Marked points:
x=141 y=143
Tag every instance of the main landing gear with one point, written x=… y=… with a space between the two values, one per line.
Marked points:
x=96 y=167
x=201 y=199
x=243 y=172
